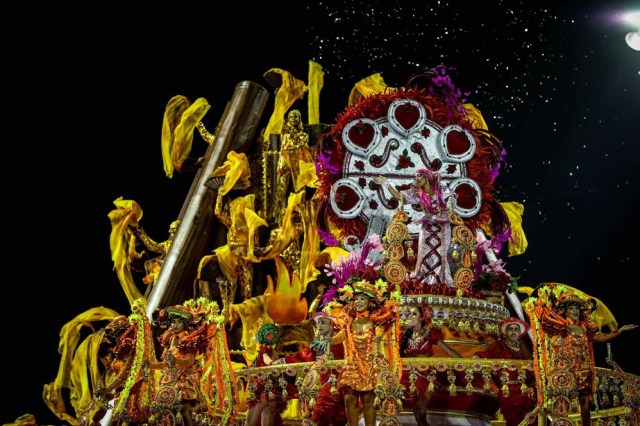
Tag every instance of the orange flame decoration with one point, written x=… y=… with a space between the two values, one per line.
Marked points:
x=286 y=305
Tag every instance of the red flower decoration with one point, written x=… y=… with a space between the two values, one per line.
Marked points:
x=359 y=164
x=496 y=281
x=404 y=161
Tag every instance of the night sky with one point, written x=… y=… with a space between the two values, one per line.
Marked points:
x=557 y=84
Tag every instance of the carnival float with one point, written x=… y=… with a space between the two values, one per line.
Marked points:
x=286 y=227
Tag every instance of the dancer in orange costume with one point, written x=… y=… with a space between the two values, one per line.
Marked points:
x=182 y=342
x=567 y=320
x=364 y=320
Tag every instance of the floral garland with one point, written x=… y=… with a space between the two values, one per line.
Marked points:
x=216 y=375
x=144 y=353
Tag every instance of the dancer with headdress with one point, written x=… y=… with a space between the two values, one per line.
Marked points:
x=267 y=399
x=571 y=324
x=566 y=322
x=184 y=339
x=318 y=388
x=427 y=195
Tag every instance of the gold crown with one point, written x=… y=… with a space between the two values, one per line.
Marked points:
x=365 y=287
x=180 y=311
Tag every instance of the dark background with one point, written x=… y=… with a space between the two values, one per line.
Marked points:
x=557 y=84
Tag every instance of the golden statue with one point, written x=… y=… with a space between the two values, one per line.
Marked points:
x=152 y=266
x=294 y=147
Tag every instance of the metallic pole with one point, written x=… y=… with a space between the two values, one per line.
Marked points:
x=236 y=131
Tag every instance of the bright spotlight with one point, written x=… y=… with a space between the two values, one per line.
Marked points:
x=633 y=18
x=633 y=40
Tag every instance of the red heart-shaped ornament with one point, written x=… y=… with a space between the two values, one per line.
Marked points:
x=467 y=196
x=407 y=115
x=346 y=197
x=362 y=134
x=457 y=142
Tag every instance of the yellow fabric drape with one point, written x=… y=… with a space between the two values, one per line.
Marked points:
x=236 y=167
x=180 y=120
x=525 y=290
x=251 y=312
x=368 y=86
x=241 y=210
x=514 y=212
x=176 y=106
x=316 y=81
x=72 y=373
x=291 y=90
x=122 y=243
x=306 y=176
x=181 y=147
x=226 y=260
x=477 y=120
x=254 y=221
x=85 y=361
x=288 y=231
x=310 y=245
x=336 y=253
x=23 y=420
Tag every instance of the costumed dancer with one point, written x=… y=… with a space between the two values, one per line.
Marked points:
x=574 y=332
x=515 y=403
x=427 y=195
x=268 y=399
x=367 y=314
x=418 y=340
x=182 y=342
x=328 y=407
x=364 y=320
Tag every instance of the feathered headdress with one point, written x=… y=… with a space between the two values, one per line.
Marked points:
x=363 y=265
